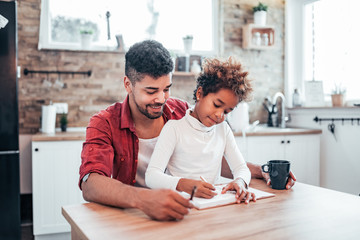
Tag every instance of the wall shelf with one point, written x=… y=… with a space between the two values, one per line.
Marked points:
x=85 y=73
x=184 y=74
x=250 y=29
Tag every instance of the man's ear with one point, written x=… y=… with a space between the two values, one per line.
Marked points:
x=128 y=85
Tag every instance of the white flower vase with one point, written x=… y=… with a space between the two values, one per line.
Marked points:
x=187 y=44
x=195 y=67
x=86 y=41
x=260 y=18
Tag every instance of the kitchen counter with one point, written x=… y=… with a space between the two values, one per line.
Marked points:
x=274 y=131
x=258 y=131
x=59 y=136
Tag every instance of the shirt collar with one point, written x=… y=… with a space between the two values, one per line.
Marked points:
x=126 y=120
x=168 y=112
x=196 y=124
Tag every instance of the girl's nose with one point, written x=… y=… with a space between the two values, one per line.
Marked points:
x=219 y=115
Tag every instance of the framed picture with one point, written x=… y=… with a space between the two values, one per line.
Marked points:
x=181 y=65
x=314 y=94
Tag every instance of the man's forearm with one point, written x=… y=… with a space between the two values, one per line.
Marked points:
x=160 y=204
x=109 y=191
x=255 y=170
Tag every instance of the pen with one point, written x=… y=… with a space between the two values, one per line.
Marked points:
x=193 y=193
x=203 y=179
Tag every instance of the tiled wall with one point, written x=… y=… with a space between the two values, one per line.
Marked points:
x=87 y=95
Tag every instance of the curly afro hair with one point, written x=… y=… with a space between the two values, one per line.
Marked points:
x=217 y=74
x=147 y=58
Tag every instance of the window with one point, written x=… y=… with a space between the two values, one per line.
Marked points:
x=166 y=21
x=325 y=34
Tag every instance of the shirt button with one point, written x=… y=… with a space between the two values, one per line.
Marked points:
x=90 y=149
x=137 y=140
x=136 y=160
x=134 y=181
x=122 y=159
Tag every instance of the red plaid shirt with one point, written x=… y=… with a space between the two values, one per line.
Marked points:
x=111 y=146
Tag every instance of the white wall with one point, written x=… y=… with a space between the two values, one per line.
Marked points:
x=339 y=160
x=293 y=47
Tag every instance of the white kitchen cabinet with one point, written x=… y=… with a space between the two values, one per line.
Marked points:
x=303 y=151
x=55 y=166
x=340 y=158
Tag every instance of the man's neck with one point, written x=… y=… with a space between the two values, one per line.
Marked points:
x=145 y=127
x=148 y=128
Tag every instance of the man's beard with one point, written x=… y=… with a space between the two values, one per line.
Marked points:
x=146 y=113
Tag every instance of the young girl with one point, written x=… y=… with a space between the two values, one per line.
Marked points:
x=193 y=146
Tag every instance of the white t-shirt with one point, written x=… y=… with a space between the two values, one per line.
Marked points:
x=146 y=148
x=188 y=149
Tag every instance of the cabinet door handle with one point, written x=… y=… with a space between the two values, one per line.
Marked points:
x=282 y=141
x=36 y=149
x=288 y=141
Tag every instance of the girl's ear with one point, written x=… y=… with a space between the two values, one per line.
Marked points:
x=199 y=93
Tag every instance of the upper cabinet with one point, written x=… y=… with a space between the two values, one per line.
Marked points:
x=258 y=37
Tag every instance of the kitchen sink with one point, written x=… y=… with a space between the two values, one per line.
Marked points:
x=272 y=129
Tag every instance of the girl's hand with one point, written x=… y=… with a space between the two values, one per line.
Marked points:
x=203 y=189
x=242 y=193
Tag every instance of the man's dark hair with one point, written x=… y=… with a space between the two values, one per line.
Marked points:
x=147 y=58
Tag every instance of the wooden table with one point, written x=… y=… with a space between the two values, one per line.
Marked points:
x=304 y=212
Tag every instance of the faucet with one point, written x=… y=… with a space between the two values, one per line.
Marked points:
x=276 y=96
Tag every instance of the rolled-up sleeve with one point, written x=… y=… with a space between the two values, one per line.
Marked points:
x=98 y=153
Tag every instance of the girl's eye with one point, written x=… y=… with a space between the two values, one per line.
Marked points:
x=151 y=93
x=217 y=106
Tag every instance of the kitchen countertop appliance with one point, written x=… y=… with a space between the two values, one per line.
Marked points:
x=238 y=119
x=9 y=121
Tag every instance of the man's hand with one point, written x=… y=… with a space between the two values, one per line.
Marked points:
x=203 y=189
x=256 y=172
x=291 y=180
x=158 y=204
x=164 y=204
x=242 y=193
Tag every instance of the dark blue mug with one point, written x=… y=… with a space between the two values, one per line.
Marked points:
x=279 y=172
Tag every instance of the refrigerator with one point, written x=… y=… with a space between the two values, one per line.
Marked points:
x=9 y=125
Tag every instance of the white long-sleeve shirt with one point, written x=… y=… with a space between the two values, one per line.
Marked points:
x=188 y=149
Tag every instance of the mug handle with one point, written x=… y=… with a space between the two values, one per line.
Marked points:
x=263 y=168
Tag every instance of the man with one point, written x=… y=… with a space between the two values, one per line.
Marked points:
x=120 y=140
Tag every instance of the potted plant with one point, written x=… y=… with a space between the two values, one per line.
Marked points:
x=188 y=43
x=86 y=38
x=260 y=14
x=63 y=122
x=338 y=96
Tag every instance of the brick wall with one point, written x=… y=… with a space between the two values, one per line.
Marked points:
x=266 y=67
x=87 y=95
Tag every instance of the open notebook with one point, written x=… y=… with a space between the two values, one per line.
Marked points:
x=224 y=199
